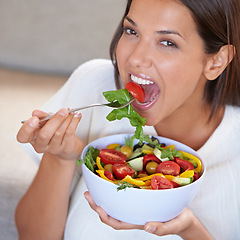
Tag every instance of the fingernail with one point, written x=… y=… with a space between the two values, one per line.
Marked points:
x=62 y=112
x=33 y=122
x=77 y=114
x=150 y=228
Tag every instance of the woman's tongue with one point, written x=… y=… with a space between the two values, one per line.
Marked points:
x=150 y=92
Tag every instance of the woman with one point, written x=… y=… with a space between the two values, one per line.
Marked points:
x=185 y=54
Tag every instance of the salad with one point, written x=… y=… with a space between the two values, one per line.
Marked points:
x=151 y=165
x=148 y=164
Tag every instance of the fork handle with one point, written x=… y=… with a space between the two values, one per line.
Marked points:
x=70 y=111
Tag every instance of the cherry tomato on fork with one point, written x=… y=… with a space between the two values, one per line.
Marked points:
x=136 y=90
x=111 y=156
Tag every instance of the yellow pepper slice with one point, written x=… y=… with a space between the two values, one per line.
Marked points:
x=99 y=165
x=146 y=187
x=101 y=173
x=170 y=146
x=148 y=151
x=187 y=174
x=150 y=177
x=169 y=177
x=113 y=146
x=133 y=181
x=198 y=161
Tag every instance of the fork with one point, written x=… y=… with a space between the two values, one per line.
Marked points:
x=114 y=104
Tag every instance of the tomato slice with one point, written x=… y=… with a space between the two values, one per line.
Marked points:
x=158 y=182
x=148 y=158
x=184 y=164
x=122 y=170
x=168 y=168
x=111 y=156
x=136 y=90
x=175 y=185
x=109 y=175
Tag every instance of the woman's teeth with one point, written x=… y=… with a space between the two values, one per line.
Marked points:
x=140 y=80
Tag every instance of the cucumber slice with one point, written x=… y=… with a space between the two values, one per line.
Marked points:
x=136 y=153
x=158 y=154
x=182 y=181
x=146 y=147
x=136 y=164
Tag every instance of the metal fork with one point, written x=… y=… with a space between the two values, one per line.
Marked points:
x=114 y=104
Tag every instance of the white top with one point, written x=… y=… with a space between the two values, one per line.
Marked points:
x=217 y=204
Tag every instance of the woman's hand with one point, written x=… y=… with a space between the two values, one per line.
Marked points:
x=186 y=225
x=55 y=136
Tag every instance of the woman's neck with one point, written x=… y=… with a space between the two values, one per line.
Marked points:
x=192 y=129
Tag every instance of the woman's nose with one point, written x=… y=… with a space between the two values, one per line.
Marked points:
x=140 y=55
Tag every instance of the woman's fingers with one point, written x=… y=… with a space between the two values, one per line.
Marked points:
x=105 y=218
x=56 y=136
x=56 y=141
x=46 y=133
x=174 y=226
x=70 y=131
x=26 y=132
x=39 y=113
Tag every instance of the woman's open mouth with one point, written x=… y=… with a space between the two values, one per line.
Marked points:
x=151 y=90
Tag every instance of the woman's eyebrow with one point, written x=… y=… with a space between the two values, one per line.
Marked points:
x=161 y=32
x=131 y=21
x=168 y=32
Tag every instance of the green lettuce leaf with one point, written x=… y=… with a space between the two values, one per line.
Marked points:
x=122 y=96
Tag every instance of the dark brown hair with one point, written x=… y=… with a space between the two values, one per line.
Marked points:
x=218 y=24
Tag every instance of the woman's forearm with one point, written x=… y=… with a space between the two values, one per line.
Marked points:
x=42 y=211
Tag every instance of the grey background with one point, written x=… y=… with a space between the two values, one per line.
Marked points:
x=55 y=36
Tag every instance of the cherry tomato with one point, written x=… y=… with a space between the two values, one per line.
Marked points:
x=122 y=170
x=136 y=90
x=196 y=176
x=150 y=157
x=111 y=156
x=158 y=182
x=184 y=164
x=168 y=168
x=109 y=175
x=126 y=150
x=151 y=167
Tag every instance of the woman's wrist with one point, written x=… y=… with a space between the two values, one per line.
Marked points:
x=59 y=162
x=195 y=230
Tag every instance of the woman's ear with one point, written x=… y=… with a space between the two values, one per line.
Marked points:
x=217 y=63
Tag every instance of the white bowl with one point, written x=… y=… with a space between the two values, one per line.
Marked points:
x=138 y=206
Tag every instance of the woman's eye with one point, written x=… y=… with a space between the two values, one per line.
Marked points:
x=129 y=31
x=167 y=43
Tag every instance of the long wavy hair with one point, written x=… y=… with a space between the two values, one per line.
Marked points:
x=218 y=24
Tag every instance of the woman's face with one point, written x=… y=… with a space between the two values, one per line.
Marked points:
x=161 y=50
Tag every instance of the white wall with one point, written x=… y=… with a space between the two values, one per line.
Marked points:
x=55 y=36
